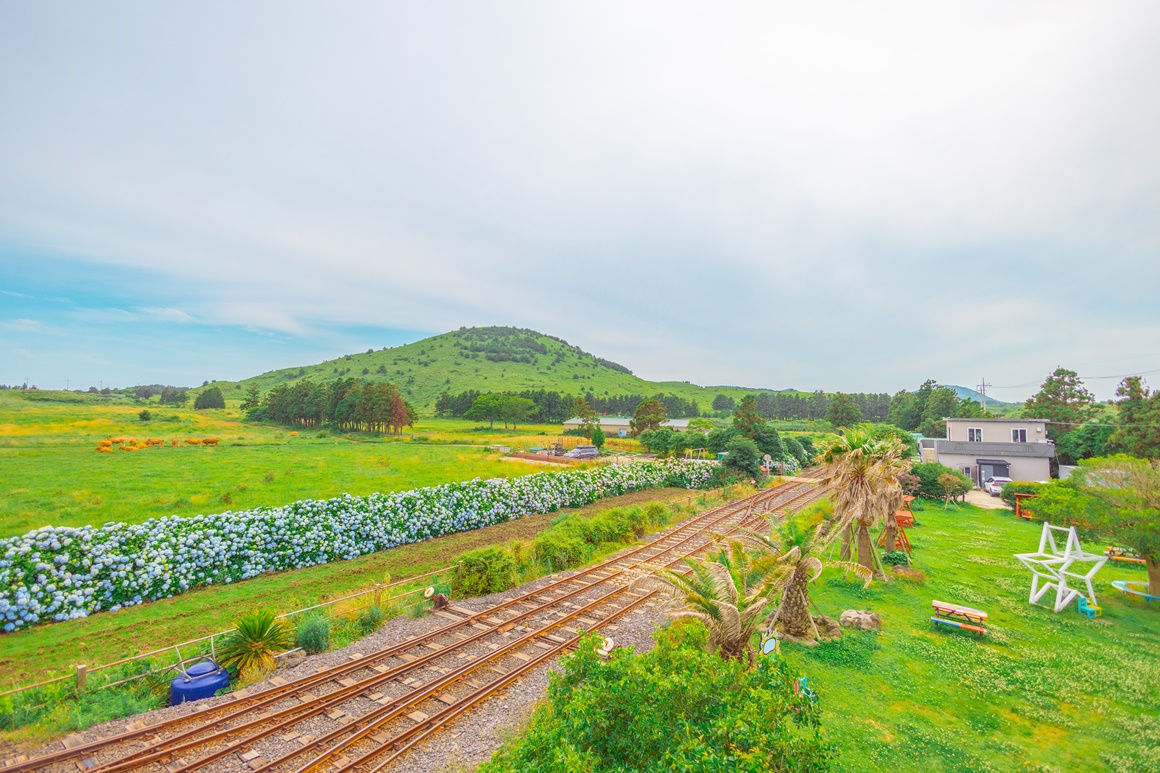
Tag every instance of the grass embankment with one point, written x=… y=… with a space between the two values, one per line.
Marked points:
x=1042 y=692
x=51 y=650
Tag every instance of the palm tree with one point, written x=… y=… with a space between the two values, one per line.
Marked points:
x=863 y=472
x=731 y=592
x=256 y=638
x=793 y=543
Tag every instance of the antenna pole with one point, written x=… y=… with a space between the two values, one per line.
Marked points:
x=983 y=387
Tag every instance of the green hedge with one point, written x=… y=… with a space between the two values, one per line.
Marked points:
x=928 y=474
x=1011 y=489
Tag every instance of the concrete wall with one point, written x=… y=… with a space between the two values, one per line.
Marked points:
x=1022 y=469
x=995 y=431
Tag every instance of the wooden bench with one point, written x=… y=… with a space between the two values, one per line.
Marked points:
x=958 y=616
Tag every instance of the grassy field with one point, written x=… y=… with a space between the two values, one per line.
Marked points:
x=1042 y=692
x=53 y=475
x=50 y=650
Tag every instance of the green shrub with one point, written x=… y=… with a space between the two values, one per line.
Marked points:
x=314 y=634
x=1011 y=489
x=928 y=474
x=896 y=558
x=560 y=549
x=370 y=619
x=483 y=571
x=677 y=707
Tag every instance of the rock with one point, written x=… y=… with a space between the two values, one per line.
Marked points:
x=828 y=628
x=860 y=619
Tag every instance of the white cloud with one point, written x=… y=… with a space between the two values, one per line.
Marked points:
x=838 y=195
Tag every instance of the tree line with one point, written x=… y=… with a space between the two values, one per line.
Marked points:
x=554 y=407
x=349 y=404
x=788 y=406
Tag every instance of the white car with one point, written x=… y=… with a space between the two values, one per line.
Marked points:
x=994 y=486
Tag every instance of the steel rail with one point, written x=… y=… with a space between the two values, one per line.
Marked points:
x=256 y=701
x=410 y=736
x=401 y=705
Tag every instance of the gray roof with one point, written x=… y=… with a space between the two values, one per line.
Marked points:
x=622 y=421
x=1005 y=421
x=1024 y=450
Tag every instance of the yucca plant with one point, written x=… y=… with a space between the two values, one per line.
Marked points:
x=793 y=545
x=731 y=592
x=256 y=638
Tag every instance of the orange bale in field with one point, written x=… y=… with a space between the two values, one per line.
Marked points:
x=293 y=434
x=193 y=441
x=209 y=441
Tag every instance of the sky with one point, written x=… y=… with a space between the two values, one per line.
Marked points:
x=840 y=196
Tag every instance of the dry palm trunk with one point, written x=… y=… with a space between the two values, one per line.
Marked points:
x=794 y=616
x=1153 y=576
x=847 y=540
x=867 y=553
x=891 y=533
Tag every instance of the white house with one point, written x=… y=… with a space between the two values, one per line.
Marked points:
x=619 y=426
x=984 y=448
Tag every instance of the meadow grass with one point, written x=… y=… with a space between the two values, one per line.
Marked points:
x=1041 y=692
x=52 y=474
x=53 y=649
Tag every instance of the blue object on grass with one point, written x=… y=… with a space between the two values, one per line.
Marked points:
x=201 y=680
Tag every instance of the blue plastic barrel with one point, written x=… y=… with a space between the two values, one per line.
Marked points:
x=201 y=680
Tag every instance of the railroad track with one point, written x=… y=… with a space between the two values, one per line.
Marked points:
x=365 y=714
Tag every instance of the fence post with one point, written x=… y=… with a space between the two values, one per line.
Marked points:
x=82 y=677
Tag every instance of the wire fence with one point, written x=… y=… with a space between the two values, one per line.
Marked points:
x=81 y=673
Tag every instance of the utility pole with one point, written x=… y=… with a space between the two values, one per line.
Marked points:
x=983 y=387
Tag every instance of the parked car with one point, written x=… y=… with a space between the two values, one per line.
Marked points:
x=583 y=452
x=994 y=486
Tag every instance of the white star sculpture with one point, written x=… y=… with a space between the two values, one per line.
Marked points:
x=1053 y=566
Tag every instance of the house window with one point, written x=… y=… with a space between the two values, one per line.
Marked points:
x=1018 y=436
x=974 y=434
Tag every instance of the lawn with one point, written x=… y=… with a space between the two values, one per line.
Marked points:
x=1042 y=692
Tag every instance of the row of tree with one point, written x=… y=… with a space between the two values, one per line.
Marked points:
x=553 y=407
x=789 y=406
x=924 y=409
x=351 y=403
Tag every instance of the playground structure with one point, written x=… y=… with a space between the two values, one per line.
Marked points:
x=1053 y=566
x=1135 y=588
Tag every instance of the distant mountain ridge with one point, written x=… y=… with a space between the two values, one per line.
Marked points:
x=487 y=359
x=963 y=391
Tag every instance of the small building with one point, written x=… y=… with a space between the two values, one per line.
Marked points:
x=1001 y=448
x=619 y=426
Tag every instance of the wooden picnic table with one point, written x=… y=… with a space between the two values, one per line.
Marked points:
x=958 y=616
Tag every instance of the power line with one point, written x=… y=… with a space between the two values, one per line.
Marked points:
x=1085 y=378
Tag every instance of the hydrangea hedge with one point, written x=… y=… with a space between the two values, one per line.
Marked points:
x=59 y=573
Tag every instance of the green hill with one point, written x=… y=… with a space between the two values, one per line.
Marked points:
x=488 y=359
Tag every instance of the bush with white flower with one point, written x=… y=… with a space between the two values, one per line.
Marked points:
x=60 y=573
